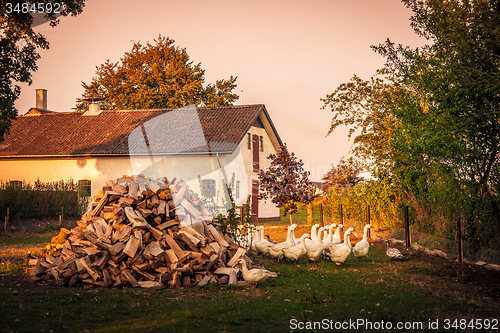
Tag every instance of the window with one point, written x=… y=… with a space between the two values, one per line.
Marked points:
x=16 y=183
x=208 y=188
x=85 y=187
x=261 y=143
x=249 y=140
x=237 y=194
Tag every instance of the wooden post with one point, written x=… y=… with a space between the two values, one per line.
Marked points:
x=321 y=213
x=341 y=215
x=460 y=254
x=368 y=220
x=6 y=220
x=61 y=216
x=310 y=213
x=407 y=227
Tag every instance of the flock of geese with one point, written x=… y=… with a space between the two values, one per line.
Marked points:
x=323 y=242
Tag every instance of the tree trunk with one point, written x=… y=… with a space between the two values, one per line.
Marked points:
x=310 y=212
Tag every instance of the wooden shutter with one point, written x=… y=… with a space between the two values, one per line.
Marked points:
x=255 y=139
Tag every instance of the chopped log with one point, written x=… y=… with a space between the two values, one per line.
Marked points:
x=213 y=259
x=130 y=278
x=87 y=264
x=168 y=224
x=117 y=247
x=187 y=240
x=143 y=273
x=107 y=277
x=171 y=256
x=101 y=262
x=218 y=237
x=234 y=260
x=190 y=208
x=152 y=285
x=226 y=270
x=155 y=248
x=176 y=280
x=126 y=201
x=131 y=247
x=173 y=245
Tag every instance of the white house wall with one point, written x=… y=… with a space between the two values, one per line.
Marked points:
x=101 y=169
x=267 y=209
x=97 y=170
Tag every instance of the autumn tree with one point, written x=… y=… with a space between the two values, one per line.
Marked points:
x=158 y=75
x=18 y=47
x=286 y=182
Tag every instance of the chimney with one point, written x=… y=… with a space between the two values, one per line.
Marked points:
x=94 y=106
x=41 y=99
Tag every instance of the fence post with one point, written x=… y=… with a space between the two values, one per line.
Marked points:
x=407 y=227
x=6 y=220
x=321 y=213
x=61 y=216
x=460 y=254
x=341 y=215
x=368 y=220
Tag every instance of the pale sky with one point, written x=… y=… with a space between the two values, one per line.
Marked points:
x=286 y=54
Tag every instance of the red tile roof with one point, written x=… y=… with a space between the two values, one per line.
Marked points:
x=167 y=131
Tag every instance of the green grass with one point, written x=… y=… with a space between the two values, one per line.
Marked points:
x=29 y=239
x=375 y=290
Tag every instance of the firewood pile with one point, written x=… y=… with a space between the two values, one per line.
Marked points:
x=133 y=236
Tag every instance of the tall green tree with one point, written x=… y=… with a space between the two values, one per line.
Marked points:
x=441 y=104
x=18 y=47
x=158 y=75
x=451 y=114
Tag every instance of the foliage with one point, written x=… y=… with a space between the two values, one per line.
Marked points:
x=382 y=197
x=18 y=56
x=286 y=182
x=159 y=75
x=230 y=220
x=42 y=200
x=361 y=105
x=430 y=119
x=346 y=173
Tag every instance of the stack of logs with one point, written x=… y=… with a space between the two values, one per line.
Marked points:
x=132 y=236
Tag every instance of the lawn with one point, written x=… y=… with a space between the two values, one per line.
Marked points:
x=374 y=293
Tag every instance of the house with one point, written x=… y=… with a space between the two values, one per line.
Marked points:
x=202 y=145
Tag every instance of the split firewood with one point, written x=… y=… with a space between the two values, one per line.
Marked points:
x=135 y=235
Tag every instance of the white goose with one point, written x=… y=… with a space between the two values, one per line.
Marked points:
x=253 y=235
x=315 y=248
x=327 y=242
x=276 y=250
x=297 y=251
x=392 y=252
x=255 y=275
x=336 y=239
x=340 y=253
x=362 y=247
x=262 y=244
x=314 y=234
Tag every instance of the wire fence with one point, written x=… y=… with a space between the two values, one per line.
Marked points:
x=405 y=226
